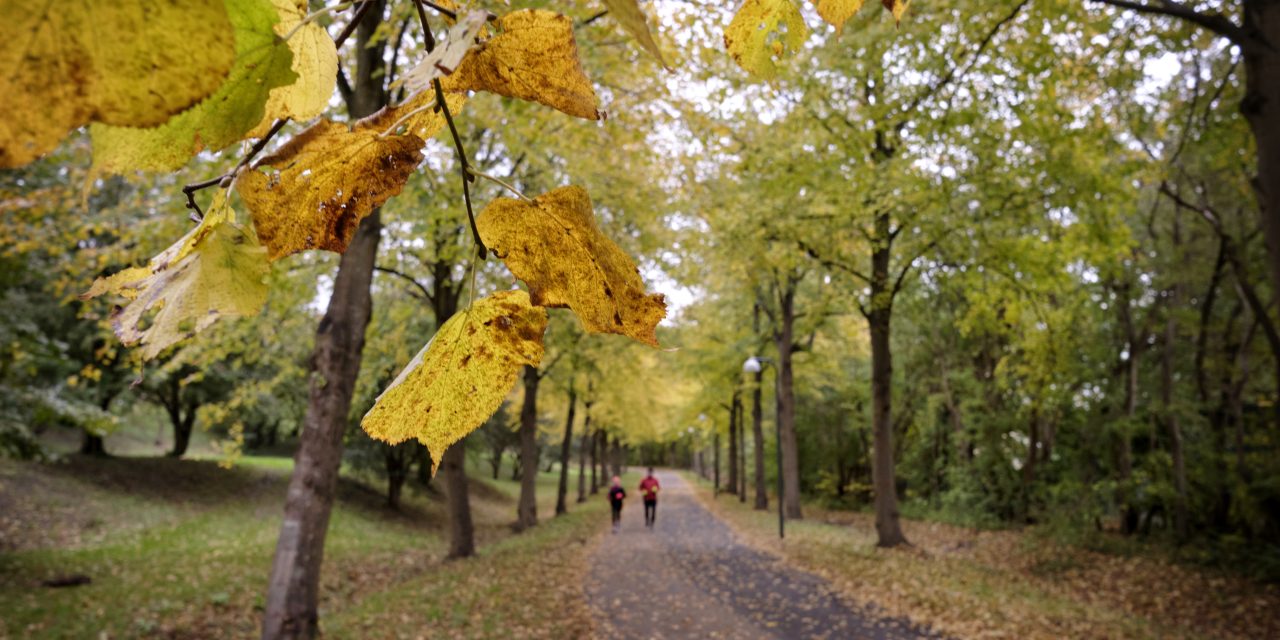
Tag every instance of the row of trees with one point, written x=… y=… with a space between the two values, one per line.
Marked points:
x=1054 y=253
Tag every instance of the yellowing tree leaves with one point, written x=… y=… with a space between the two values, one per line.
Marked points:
x=837 y=12
x=217 y=269
x=761 y=32
x=629 y=15
x=554 y=246
x=533 y=58
x=126 y=62
x=315 y=62
x=264 y=61
x=315 y=190
x=461 y=377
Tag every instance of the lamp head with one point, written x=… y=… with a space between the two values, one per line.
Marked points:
x=752 y=365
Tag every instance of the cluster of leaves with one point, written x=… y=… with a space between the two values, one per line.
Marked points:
x=261 y=63
x=764 y=31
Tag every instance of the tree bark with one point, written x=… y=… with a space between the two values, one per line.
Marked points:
x=733 y=443
x=527 y=509
x=462 y=536
x=716 y=462
x=784 y=341
x=397 y=473
x=1128 y=513
x=1172 y=424
x=293 y=589
x=595 y=462
x=879 y=316
x=582 y=450
x=757 y=432
x=566 y=451
x=1261 y=108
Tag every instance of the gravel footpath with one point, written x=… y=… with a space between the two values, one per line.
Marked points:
x=689 y=578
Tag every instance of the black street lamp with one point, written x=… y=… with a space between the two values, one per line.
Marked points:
x=755 y=365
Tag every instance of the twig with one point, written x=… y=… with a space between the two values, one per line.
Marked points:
x=190 y=189
x=449 y=13
x=311 y=17
x=1214 y=22
x=351 y=26
x=500 y=182
x=224 y=179
x=464 y=168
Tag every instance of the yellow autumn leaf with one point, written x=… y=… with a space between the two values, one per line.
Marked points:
x=125 y=62
x=897 y=7
x=534 y=58
x=632 y=18
x=263 y=63
x=313 y=192
x=461 y=377
x=554 y=246
x=315 y=61
x=837 y=12
x=218 y=269
x=762 y=31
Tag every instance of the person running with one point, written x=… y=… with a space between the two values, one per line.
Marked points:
x=616 y=495
x=649 y=491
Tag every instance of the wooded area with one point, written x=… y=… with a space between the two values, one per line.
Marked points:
x=1004 y=267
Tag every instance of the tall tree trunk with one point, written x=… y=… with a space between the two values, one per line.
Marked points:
x=615 y=455
x=879 y=316
x=784 y=341
x=741 y=421
x=462 y=535
x=1261 y=107
x=757 y=432
x=397 y=472
x=582 y=450
x=92 y=444
x=293 y=589
x=1128 y=512
x=527 y=510
x=183 y=424
x=566 y=450
x=595 y=462
x=732 y=444
x=1172 y=424
x=716 y=461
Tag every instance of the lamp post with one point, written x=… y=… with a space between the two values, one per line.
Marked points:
x=755 y=365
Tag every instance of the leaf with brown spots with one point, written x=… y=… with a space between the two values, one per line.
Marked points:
x=314 y=191
x=533 y=58
x=461 y=377
x=554 y=245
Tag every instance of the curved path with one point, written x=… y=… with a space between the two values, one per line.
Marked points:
x=689 y=578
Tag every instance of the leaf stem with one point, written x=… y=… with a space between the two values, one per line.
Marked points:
x=464 y=168
x=501 y=182
x=395 y=125
x=311 y=17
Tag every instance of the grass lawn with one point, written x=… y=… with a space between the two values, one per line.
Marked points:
x=182 y=548
x=1007 y=584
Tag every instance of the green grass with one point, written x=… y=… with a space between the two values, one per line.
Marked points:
x=183 y=548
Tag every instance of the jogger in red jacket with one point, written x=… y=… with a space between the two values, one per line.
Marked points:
x=649 y=491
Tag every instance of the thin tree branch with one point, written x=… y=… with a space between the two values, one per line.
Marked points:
x=830 y=264
x=1214 y=22
x=426 y=293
